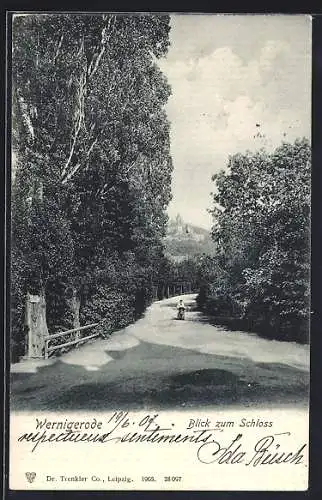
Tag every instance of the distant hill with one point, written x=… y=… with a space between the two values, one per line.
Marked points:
x=186 y=240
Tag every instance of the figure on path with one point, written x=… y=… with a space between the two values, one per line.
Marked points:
x=181 y=309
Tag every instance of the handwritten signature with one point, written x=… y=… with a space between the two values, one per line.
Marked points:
x=267 y=451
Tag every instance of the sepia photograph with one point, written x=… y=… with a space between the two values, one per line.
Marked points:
x=160 y=249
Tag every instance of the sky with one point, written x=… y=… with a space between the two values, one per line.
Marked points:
x=232 y=77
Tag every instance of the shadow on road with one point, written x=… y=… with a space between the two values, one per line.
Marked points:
x=159 y=384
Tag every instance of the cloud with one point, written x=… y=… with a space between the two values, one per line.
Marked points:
x=218 y=100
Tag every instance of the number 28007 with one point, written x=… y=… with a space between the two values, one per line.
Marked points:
x=173 y=478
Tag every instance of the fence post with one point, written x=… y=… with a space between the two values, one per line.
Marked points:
x=36 y=325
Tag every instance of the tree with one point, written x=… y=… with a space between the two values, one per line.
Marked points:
x=261 y=225
x=94 y=166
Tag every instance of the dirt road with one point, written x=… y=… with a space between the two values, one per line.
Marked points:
x=160 y=362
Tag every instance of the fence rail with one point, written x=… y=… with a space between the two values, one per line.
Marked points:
x=49 y=338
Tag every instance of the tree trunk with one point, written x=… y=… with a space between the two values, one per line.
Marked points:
x=75 y=311
x=73 y=303
x=36 y=325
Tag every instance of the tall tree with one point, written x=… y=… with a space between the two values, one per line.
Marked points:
x=261 y=226
x=92 y=142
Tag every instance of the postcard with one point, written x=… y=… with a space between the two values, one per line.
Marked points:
x=160 y=251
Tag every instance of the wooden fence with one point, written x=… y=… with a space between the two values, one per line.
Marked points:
x=50 y=338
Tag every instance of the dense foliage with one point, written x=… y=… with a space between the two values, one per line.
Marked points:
x=93 y=172
x=261 y=228
x=179 y=277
